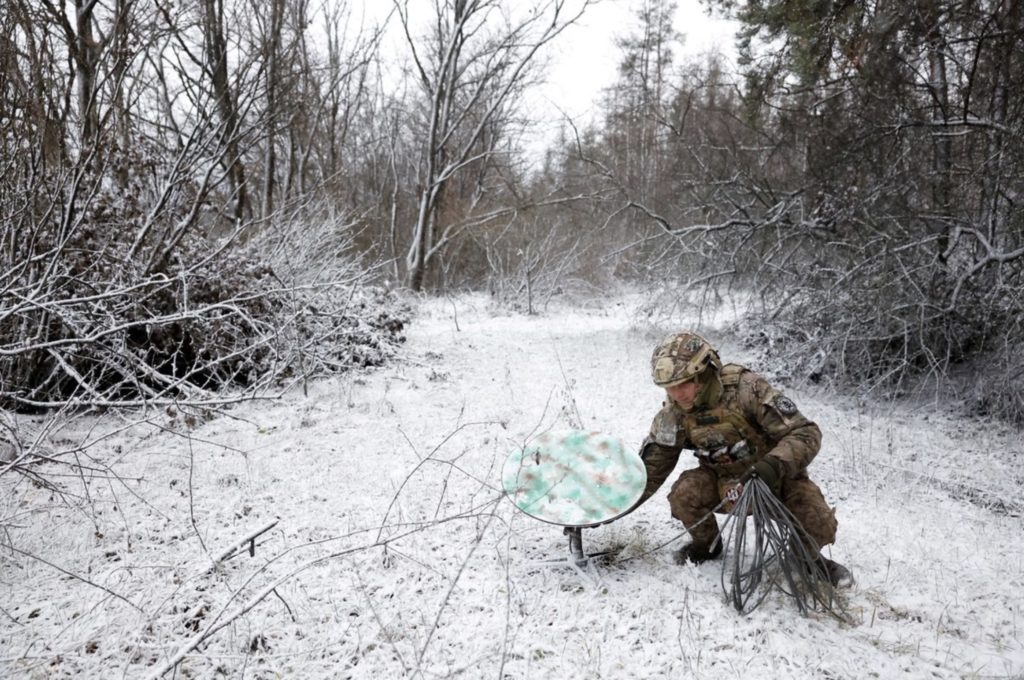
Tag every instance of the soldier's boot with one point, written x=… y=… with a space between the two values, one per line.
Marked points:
x=838 y=575
x=693 y=499
x=698 y=553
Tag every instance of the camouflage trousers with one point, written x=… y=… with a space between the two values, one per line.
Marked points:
x=695 y=494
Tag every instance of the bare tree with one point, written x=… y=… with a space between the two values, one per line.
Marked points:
x=470 y=66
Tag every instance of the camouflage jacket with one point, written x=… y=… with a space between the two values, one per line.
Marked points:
x=747 y=421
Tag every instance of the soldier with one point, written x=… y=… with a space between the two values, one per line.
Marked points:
x=738 y=426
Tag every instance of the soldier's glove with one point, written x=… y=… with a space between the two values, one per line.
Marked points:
x=769 y=470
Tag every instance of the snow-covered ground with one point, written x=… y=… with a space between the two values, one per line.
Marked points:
x=395 y=555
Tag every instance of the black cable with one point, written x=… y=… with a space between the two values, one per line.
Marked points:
x=779 y=554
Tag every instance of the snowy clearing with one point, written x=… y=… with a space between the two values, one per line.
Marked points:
x=395 y=555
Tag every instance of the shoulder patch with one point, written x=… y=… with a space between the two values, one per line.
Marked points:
x=665 y=427
x=730 y=374
x=784 y=405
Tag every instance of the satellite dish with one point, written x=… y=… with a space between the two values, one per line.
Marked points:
x=575 y=479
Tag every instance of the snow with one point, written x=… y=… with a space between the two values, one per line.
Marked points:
x=395 y=554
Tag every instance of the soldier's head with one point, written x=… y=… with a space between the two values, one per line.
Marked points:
x=687 y=366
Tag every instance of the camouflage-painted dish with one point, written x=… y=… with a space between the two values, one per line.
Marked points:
x=574 y=478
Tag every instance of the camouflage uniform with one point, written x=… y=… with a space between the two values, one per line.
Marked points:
x=739 y=420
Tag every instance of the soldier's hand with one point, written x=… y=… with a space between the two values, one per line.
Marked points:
x=769 y=471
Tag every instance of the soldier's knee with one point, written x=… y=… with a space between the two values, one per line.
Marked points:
x=694 y=489
x=822 y=526
x=805 y=500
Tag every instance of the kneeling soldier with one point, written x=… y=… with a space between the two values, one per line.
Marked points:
x=739 y=426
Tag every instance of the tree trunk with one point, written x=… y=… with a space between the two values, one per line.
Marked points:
x=217 y=65
x=995 y=205
x=942 y=145
x=85 y=55
x=272 y=44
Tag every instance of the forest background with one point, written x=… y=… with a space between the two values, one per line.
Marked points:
x=221 y=192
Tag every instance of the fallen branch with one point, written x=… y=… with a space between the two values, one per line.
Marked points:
x=250 y=538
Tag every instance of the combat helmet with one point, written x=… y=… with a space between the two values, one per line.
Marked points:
x=682 y=357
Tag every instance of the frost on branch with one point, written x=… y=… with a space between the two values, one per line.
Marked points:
x=92 y=314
